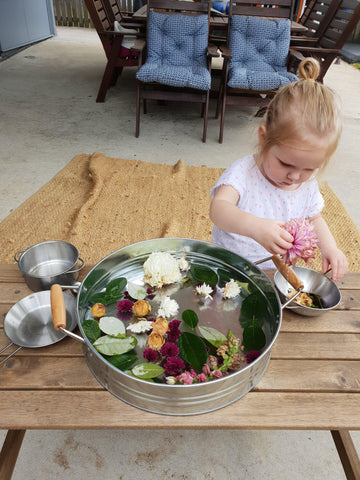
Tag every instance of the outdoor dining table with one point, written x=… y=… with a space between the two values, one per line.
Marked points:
x=311 y=383
x=217 y=20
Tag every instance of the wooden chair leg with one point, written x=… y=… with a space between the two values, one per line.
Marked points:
x=10 y=452
x=137 y=128
x=222 y=119
x=109 y=70
x=206 y=106
x=347 y=453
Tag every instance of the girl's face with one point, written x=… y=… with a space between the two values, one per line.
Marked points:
x=288 y=166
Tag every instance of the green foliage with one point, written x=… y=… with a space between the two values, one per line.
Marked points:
x=112 y=293
x=203 y=274
x=91 y=329
x=253 y=336
x=213 y=336
x=123 y=362
x=111 y=345
x=147 y=370
x=192 y=350
x=190 y=318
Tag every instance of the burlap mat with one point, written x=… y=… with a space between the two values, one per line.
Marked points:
x=100 y=204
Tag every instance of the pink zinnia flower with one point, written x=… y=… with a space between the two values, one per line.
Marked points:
x=217 y=374
x=169 y=349
x=125 y=305
x=201 y=378
x=150 y=355
x=305 y=241
x=173 y=365
x=206 y=369
x=252 y=355
x=185 y=378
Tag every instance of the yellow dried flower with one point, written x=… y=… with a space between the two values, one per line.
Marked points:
x=141 y=308
x=155 y=341
x=98 y=310
x=160 y=325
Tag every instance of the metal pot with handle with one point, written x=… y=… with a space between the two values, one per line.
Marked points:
x=160 y=397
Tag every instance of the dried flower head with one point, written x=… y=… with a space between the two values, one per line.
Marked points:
x=141 y=326
x=231 y=289
x=141 y=308
x=160 y=269
x=168 y=307
x=160 y=326
x=305 y=241
x=98 y=310
x=155 y=341
x=125 y=306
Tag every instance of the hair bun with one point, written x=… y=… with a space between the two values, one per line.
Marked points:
x=309 y=69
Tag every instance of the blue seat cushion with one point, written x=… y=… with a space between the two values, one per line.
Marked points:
x=259 y=50
x=176 y=51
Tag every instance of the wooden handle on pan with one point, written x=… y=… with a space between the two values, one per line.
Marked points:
x=287 y=273
x=58 y=309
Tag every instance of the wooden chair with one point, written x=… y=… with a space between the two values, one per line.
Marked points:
x=103 y=14
x=325 y=41
x=247 y=55
x=178 y=65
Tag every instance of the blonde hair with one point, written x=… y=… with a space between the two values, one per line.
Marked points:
x=303 y=110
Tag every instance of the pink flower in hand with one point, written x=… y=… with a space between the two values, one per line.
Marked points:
x=305 y=241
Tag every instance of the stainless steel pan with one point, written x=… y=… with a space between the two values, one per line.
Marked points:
x=29 y=322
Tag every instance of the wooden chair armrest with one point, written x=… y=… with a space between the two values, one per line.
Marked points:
x=132 y=24
x=319 y=50
x=225 y=50
x=212 y=50
x=139 y=45
x=311 y=41
x=294 y=55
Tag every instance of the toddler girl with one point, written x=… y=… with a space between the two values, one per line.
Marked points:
x=259 y=193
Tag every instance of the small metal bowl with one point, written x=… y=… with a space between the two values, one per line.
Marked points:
x=314 y=282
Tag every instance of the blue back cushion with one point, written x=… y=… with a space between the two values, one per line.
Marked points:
x=259 y=50
x=176 y=51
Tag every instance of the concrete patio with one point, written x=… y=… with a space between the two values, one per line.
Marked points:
x=49 y=115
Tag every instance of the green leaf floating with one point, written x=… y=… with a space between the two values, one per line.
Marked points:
x=192 y=350
x=91 y=329
x=213 y=336
x=113 y=292
x=254 y=305
x=110 y=345
x=124 y=361
x=147 y=370
x=203 y=274
x=190 y=318
x=253 y=336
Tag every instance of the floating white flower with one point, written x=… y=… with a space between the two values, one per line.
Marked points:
x=161 y=269
x=231 y=289
x=204 y=290
x=168 y=307
x=183 y=264
x=141 y=326
x=170 y=380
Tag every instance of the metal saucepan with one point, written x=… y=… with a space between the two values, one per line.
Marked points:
x=49 y=262
x=29 y=322
x=314 y=283
x=177 y=399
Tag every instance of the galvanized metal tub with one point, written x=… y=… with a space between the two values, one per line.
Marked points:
x=178 y=399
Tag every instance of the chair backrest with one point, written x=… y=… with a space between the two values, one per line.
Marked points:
x=180 y=6
x=268 y=8
x=317 y=15
x=341 y=21
x=177 y=32
x=102 y=19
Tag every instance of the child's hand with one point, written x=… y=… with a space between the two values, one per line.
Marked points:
x=271 y=235
x=338 y=262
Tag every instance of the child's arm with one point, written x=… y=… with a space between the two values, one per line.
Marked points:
x=228 y=217
x=331 y=255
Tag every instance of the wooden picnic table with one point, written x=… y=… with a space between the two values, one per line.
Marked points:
x=217 y=21
x=311 y=383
